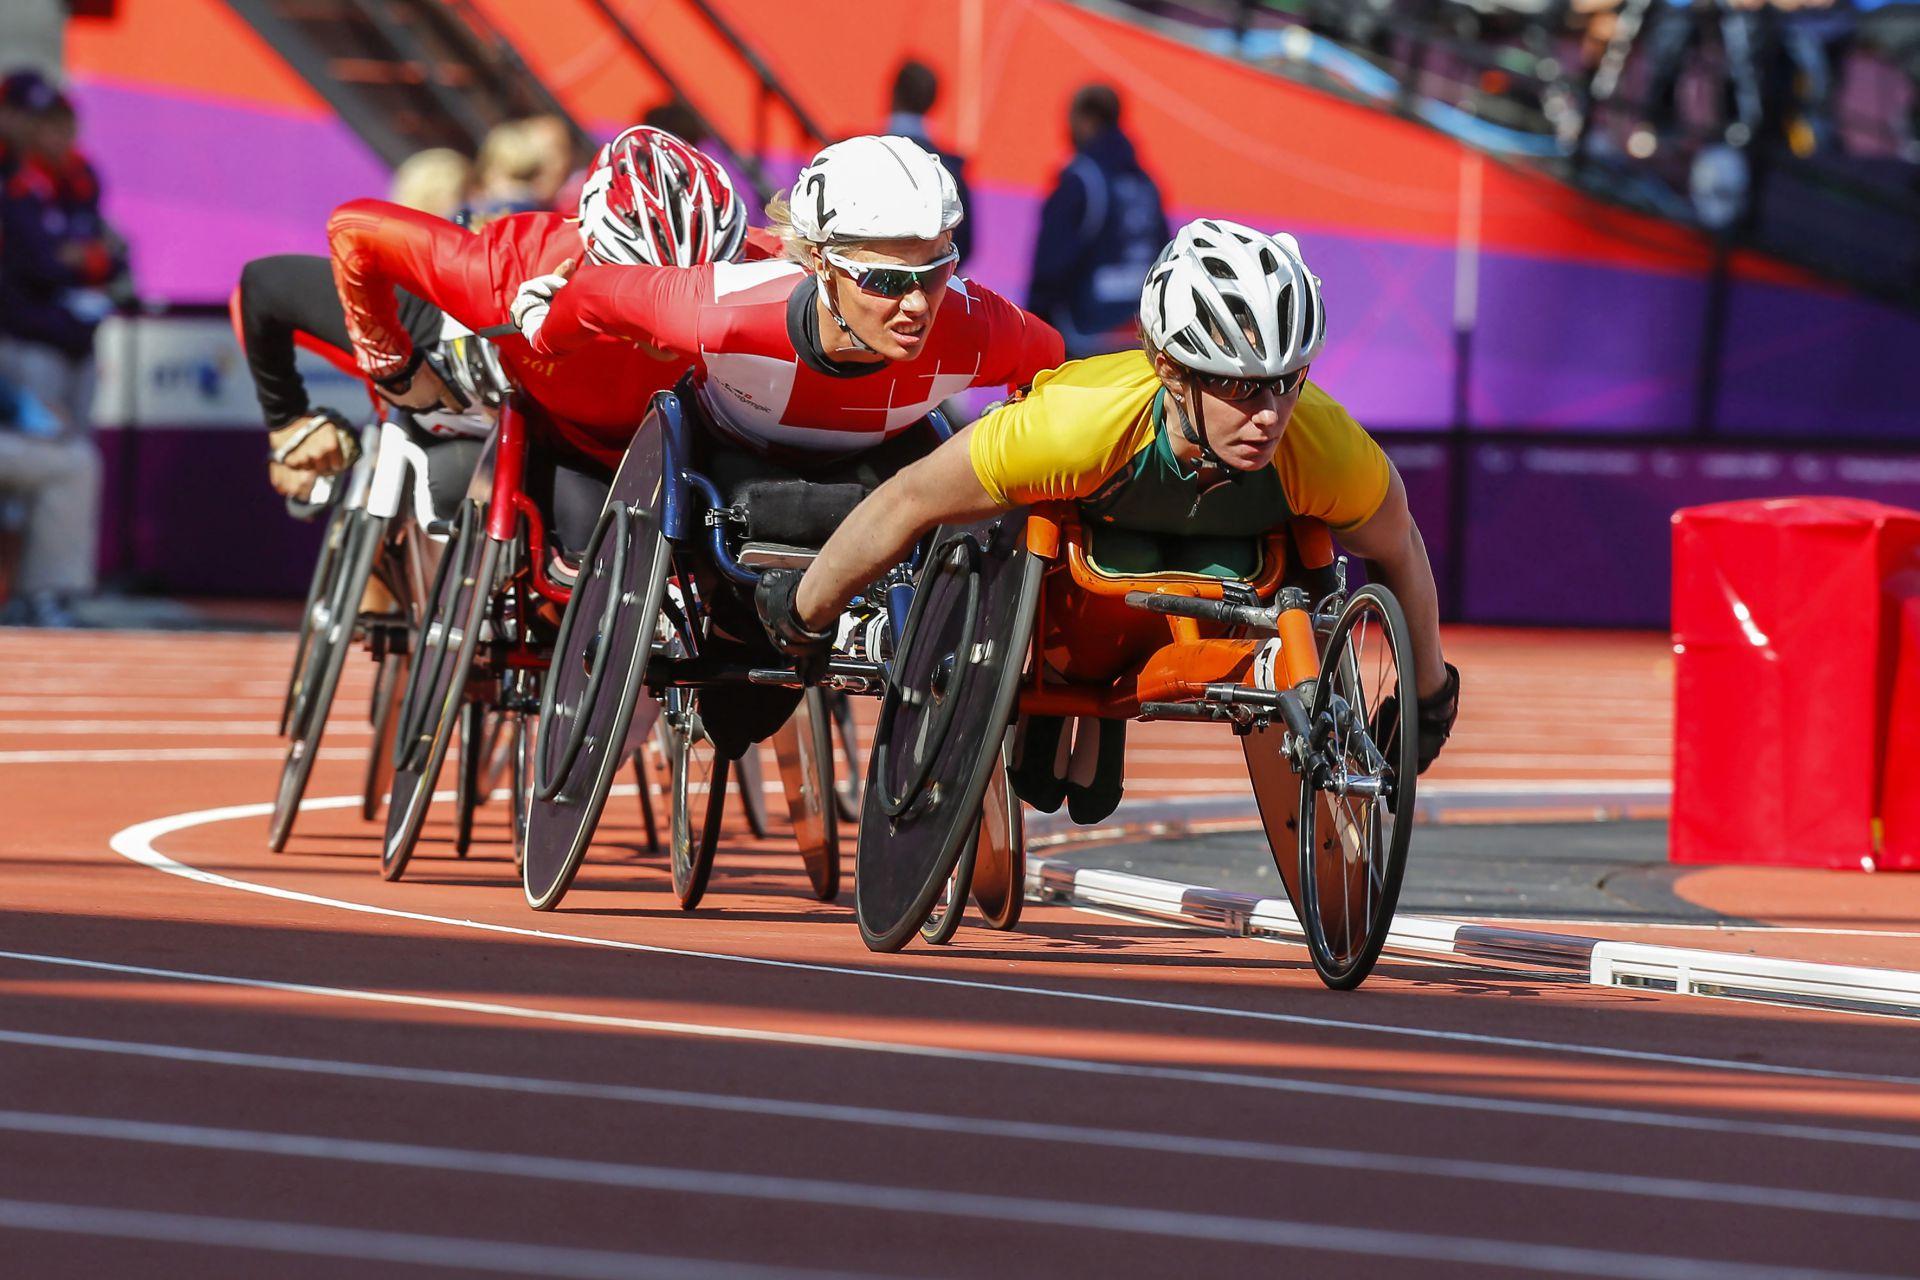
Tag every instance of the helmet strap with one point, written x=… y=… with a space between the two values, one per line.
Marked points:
x=825 y=281
x=1189 y=426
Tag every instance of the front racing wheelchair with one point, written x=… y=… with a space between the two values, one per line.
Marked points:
x=1036 y=615
x=663 y=607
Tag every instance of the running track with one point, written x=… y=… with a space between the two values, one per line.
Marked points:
x=219 y=1061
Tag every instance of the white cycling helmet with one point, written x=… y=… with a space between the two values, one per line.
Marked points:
x=1229 y=300
x=874 y=188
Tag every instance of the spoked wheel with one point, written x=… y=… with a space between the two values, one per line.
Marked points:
x=847 y=760
x=950 y=694
x=313 y=615
x=326 y=655
x=1357 y=804
x=752 y=789
x=476 y=751
x=443 y=655
x=804 y=748
x=1000 y=866
x=588 y=724
x=387 y=686
x=699 y=796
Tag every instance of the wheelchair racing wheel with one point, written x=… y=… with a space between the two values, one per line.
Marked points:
x=950 y=693
x=470 y=784
x=804 y=748
x=699 y=796
x=327 y=646
x=588 y=699
x=443 y=657
x=1000 y=863
x=387 y=684
x=312 y=613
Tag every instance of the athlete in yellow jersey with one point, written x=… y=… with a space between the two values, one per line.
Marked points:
x=1211 y=430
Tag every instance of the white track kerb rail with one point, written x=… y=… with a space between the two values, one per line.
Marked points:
x=1603 y=962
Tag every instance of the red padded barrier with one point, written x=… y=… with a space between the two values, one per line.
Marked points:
x=1783 y=677
x=1900 y=770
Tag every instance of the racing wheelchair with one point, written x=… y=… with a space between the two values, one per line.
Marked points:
x=380 y=511
x=663 y=608
x=1031 y=615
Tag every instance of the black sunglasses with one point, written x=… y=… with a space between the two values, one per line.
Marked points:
x=1237 y=389
x=889 y=280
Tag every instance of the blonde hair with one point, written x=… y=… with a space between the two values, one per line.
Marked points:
x=793 y=246
x=432 y=181
x=510 y=161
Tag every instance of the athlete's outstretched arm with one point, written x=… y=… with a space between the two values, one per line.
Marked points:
x=940 y=488
x=659 y=306
x=1392 y=541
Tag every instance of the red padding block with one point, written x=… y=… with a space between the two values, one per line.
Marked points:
x=1782 y=677
x=1900 y=770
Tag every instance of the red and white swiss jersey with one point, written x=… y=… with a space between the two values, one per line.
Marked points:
x=748 y=329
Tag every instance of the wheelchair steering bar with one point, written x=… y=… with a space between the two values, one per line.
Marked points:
x=1222 y=611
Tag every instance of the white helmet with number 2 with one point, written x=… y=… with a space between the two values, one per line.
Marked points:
x=874 y=188
x=1229 y=300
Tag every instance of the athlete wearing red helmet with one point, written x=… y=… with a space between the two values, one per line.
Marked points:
x=651 y=199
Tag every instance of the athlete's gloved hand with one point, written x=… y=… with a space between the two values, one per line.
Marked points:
x=535 y=299
x=776 y=601
x=1434 y=714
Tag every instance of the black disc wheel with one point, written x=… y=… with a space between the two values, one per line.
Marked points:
x=313 y=615
x=804 y=748
x=1000 y=863
x=443 y=656
x=943 y=921
x=1357 y=797
x=699 y=796
x=950 y=694
x=326 y=656
x=588 y=726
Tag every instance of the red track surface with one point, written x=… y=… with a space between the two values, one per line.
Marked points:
x=202 y=1079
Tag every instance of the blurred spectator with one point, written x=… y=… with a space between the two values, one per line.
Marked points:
x=1675 y=28
x=557 y=156
x=513 y=160
x=433 y=181
x=915 y=89
x=50 y=492
x=679 y=119
x=1892 y=27
x=1100 y=230
x=61 y=266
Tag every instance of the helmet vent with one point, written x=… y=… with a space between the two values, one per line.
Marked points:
x=1249 y=327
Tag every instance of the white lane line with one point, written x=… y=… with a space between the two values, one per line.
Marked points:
x=496 y=1257
x=1729 y=929
x=135 y=843
x=146 y=755
x=185 y=728
x=1022 y=1130
x=1213 y=1228
x=1043 y=1062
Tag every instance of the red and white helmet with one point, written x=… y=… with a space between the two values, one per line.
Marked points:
x=652 y=199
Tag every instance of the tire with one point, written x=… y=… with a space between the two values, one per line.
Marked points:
x=326 y=655
x=950 y=696
x=593 y=687
x=476 y=750
x=804 y=748
x=943 y=921
x=1000 y=863
x=1353 y=847
x=750 y=784
x=443 y=654
x=319 y=588
x=699 y=797
x=520 y=775
x=846 y=757
x=382 y=712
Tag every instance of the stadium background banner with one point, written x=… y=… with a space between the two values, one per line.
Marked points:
x=1474 y=306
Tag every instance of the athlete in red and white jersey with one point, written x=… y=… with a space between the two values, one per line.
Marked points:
x=837 y=349
x=598 y=395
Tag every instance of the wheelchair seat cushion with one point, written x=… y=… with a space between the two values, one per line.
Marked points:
x=796 y=512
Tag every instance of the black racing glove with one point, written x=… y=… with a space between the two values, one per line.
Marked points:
x=775 y=599
x=1435 y=716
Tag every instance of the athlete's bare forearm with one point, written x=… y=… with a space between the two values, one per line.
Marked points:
x=939 y=489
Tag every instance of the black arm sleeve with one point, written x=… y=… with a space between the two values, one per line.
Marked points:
x=293 y=293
